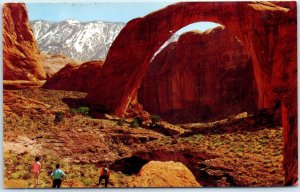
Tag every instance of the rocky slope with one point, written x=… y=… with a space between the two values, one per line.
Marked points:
x=233 y=156
x=268 y=32
x=53 y=63
x=21 y=56
x=204 y=76
x=74 y=77
x=84 y=41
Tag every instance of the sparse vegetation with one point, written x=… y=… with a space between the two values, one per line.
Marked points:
x=136 y=122
x=248 y=155
x=82 y=110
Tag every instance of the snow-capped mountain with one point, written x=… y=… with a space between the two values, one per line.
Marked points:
x=82 y=41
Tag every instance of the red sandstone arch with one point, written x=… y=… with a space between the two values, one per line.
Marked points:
x=267 y=31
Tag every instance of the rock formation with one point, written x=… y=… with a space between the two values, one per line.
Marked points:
x=268 y=32
x=203 y=76
x=74 y=77
x=21 y=56
x=54 y=63
x=165 y=174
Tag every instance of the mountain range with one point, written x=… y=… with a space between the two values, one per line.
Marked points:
x=83 y=41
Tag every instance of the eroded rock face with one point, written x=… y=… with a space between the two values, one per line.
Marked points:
x=21 y=56
x=74 y=77
x=165 y=174
x=54 y=63
x=267 y=31
x=204 y=76
x=284 y=83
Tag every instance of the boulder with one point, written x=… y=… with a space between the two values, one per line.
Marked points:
x=165 y=174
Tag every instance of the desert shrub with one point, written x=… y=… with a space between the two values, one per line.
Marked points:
x=83 y=110
x=121 y=122
x=154 y=120
x=86 y=182
x=59 y=116
x=135 y=123
x=17 y=175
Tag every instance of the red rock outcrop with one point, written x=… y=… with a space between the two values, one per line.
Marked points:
x=204 y=76
x=74 y=77
x=268 y=32
x=21 y=56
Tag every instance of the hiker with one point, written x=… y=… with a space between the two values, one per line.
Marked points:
x=104 y=173
x=57 y=176
x=36 y=170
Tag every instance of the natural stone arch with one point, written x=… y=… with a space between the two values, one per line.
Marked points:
x=267 y=31
x=134 y=47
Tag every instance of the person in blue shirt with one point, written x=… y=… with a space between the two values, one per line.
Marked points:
x=57 y=176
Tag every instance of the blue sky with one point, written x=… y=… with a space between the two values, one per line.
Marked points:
x=114 y=12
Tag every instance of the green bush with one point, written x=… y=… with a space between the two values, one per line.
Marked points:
x=135 y=123
x=83 y=110
x=17 y=175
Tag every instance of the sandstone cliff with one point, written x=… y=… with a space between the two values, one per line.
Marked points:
x=203 y=76
x=21 y=56
x=74 y=77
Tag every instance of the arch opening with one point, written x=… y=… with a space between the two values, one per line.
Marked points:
x=205 y=75
x=201 y=26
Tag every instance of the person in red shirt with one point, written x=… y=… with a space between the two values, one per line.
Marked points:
x=104 y=173
x=36 y=170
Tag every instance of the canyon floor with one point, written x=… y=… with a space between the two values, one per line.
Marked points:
x=242 y=150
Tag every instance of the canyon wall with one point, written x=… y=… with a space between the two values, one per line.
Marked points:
x=202 y=77
x=21 y=56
